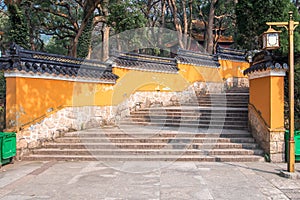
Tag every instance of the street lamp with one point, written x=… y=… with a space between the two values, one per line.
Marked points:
x=290 y=26
x=271 y=39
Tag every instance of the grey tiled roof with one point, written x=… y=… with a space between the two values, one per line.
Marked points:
x=196 y=58
x=41 y=63
x=231 y=54
x=144 y=62
x=264 y=60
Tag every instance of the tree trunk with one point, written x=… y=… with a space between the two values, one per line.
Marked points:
x=105 y=42
x=76 y=39
x=89 y=7
x=190 y=24
x=185 y=24
x=105 y=32
x=177 y=25
x=31 y=35
x=89 y=53
x=84 y=41
x=74 y=46
x=210 y=40
x=119 y=48
x=163 y=10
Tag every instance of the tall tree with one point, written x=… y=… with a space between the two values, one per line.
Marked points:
x=297 y=4
x=209 y=42
x=89 y=7
x=19 y=30
x=252 y=16
x=71 y=20
x=126 y=16
x=4 y=21
x=225 y=21
x=218 y=17
x=105 y=30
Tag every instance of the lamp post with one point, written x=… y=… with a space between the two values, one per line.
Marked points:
x=270 y=42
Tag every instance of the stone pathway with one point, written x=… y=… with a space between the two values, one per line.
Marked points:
x=146 y=180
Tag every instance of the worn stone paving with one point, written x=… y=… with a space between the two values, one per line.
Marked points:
x=146 y=180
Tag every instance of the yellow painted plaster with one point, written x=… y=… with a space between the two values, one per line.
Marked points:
x=267 y=95
x=231 y=68
x=31 y=98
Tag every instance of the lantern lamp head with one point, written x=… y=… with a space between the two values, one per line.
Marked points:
x=270 y=39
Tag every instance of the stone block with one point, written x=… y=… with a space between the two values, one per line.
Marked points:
x=277 y=147
x=56 y=134
x=72 y=115
x=50 y=124
x=25 y=133
x=277 y=157
x=34 y=144
x=22 y=143
x=276 y=136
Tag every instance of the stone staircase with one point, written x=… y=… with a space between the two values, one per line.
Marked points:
x=214 y=111
x=204 y=129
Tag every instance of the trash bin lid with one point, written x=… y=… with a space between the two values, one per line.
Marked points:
x=9 y=134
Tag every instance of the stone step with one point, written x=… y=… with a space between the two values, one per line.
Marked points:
x=227 y=93
x=187 y=117
x=152 y=140
x=214 y=104
x=197 y=116
x=196 y=109
x=237 y=90
x=222 y=98
x=218 y=125
x=219 y=158
x=190 y=115
x=152 y=145
x=236 y=121
x=162 y=133
x=96 y=152
x=221 y=102
x=227 y=98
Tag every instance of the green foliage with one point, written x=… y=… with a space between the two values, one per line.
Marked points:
x=252 y=16
x=84 y=41
x=297 y=96
x=19 y=31
x=2 y=84
x=60 y=22
x=226 y=8
x=3 y=21
x=57 y=46
x=4 y=27
x=125 y=16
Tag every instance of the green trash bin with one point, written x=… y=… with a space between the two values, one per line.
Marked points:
x=297 y=144
x=7 y=147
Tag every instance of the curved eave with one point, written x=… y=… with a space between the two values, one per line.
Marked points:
x=263 y=66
